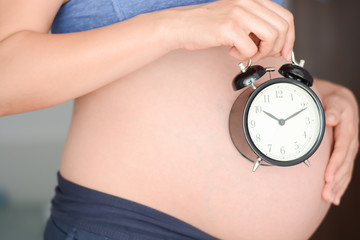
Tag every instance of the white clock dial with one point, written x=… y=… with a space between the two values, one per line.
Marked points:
x=283 y=121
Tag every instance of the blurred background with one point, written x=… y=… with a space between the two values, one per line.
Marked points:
x=327 y=37
x=30 y=151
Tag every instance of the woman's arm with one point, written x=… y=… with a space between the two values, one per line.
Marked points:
x=38 y=70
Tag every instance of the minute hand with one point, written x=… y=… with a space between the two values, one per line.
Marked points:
x=295 y=114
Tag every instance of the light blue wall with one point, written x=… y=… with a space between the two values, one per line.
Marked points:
x=30 y=150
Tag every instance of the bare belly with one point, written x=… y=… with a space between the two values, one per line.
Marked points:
x=160 y=137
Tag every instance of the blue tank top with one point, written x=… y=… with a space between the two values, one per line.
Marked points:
x=82 y=15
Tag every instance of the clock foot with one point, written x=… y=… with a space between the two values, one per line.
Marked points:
x=257 y=164
x=307 y=163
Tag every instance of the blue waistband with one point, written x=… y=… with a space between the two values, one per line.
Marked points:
x=115 y=217
x=82 y=15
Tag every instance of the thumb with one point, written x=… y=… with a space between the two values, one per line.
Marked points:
x=332 y=117
x=333 y=110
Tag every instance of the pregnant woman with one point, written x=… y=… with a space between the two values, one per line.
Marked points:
x=149 y=155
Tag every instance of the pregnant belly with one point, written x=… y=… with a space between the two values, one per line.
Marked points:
x=160 y=137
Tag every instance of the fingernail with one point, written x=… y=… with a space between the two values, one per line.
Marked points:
x=330 y=117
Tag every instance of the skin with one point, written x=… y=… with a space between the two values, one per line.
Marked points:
x=342 y=114
x=166 y=145
x=108 y=76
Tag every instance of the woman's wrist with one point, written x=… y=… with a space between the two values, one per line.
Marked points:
x=167 y=27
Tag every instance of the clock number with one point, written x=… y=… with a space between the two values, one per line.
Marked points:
x=279 y=94
x=296 y=145
x=266 y=98
x=282 y=150
x=303 y=104
x=258 y=109
x=307 y=120
x=252 y=123
x=258 y=139
x=304 y=134
x=292 y=97
x=269 y=146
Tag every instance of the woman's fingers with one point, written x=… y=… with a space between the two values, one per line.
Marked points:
x=252 y=29
x=244 y=48
x=334 y=109
x=288 y=17
x=339 y=170
x=327 y=193
x=342 y=115
x=263 y=30
x=273 y=25
x=343 y=184
x=341 y=146
x=269 y=27
x=343 y=176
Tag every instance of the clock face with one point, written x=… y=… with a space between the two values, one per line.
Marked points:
x=284 y=122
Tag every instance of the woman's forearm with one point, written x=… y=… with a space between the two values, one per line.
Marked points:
x=38 y=70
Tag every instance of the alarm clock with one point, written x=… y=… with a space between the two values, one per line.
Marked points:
x=280 y=122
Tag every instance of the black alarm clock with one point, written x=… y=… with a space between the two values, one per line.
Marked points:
x=280 y=121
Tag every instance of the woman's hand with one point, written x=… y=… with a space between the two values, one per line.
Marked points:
x=251 y=28
x=341 y=111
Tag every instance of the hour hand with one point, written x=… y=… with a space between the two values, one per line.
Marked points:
x=272 y=116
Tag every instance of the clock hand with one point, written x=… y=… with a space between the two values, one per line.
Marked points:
x=295 y=114
x=272 y=116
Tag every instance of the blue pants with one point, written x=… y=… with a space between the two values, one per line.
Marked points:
x=84 y=214
x=57 y=230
